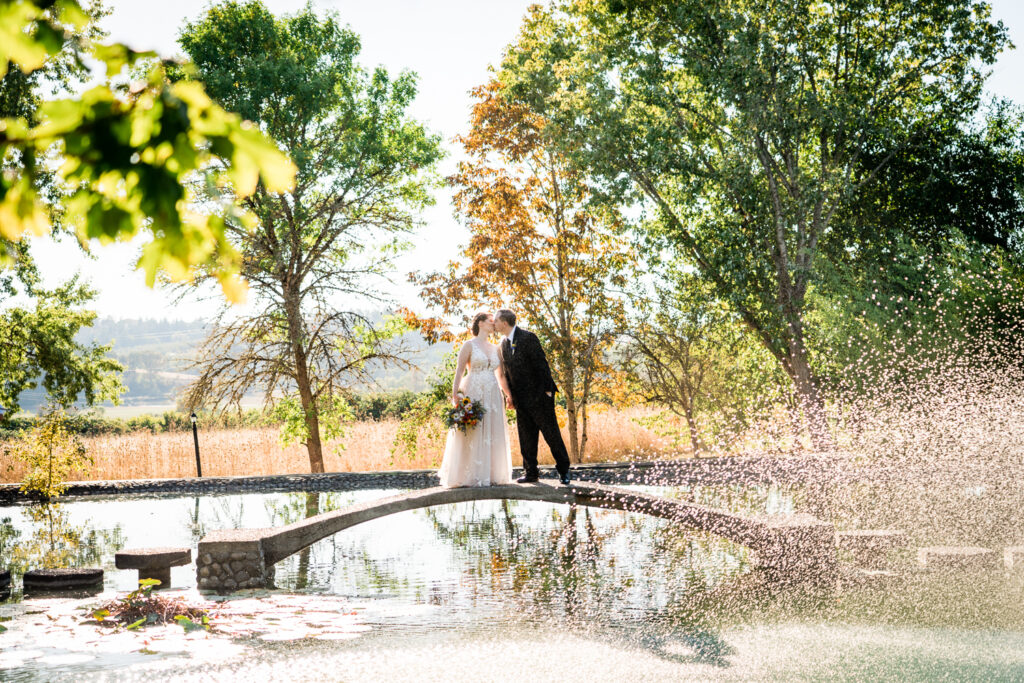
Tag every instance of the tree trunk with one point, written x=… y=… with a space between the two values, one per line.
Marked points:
x=572 y=424
x=583 y=427
x=571 y=407
x=313 y=445
x=691 y=423
x=812 y=403
x=308 y=401
x=588 y=385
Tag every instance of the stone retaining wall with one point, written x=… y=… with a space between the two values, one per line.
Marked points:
x=739 y=469
x=832 y=468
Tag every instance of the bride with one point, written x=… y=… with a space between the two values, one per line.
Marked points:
x=480 y=456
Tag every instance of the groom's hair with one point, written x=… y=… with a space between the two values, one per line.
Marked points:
x=506 y=316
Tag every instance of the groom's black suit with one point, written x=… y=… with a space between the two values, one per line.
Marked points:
x=529 y=380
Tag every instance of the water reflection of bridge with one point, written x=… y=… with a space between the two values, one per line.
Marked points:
x=796 y=545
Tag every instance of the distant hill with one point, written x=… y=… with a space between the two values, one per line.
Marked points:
x=156 y=353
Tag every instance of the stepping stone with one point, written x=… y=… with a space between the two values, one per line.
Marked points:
x=1013 y=557
x=957 y=557
x=870 y=577
x=61 y=579
x=871 y=546
x=153 y=563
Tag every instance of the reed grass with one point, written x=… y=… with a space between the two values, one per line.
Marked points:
x=614 y=435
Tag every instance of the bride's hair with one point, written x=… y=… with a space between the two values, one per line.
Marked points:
x=477 y=319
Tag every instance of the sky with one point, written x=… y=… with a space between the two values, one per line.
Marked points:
x=450 y=44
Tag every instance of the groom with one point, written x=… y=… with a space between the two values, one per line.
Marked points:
x=533 y=395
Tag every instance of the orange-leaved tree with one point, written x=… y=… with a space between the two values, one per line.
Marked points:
x=539 y=248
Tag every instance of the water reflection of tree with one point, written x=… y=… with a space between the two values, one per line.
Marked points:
x=292 y=507
x=225 y=512
x=599 y=578
x=54 y=542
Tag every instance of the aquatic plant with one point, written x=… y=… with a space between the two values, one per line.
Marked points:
x=140 y=608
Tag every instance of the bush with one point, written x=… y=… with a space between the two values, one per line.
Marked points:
x=382 y=406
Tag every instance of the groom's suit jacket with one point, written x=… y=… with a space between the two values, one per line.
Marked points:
x=526 y=367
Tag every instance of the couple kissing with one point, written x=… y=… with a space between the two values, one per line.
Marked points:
x=513 y=374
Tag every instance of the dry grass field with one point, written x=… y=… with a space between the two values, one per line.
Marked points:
x=615 y=435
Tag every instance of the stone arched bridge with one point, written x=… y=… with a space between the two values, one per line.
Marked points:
x=797 y=545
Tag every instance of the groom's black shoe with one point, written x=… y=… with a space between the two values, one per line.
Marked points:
x=564 y=478
x=527 y=479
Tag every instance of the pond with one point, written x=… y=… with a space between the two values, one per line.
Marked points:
x=499 y=590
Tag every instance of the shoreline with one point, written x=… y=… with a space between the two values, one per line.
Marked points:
x=712 y=470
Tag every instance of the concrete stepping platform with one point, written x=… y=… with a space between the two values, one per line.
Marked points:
x=957 y=557
x=871 y=546
x=153 y=563
x=62 y=579
x=1013 y=557
x=870 y=577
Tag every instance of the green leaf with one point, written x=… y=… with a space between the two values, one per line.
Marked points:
x=254 y=152
x=59 y=116
x=188 y=624
x=16 y=45
x=136 y=624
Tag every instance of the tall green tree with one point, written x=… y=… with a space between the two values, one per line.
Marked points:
x=746 y=126
x=956 y=181
x=322 y=249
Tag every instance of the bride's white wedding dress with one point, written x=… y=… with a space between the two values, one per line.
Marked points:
x=480 y=456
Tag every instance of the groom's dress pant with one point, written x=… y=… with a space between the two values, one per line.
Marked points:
x=538 y=417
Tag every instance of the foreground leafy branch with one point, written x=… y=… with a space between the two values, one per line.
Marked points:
x=123 y=158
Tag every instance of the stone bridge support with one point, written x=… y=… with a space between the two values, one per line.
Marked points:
x=229 y=559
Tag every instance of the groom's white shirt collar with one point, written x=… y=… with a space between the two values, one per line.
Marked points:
x=511 y=334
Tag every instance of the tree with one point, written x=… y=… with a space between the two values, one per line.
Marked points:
x=123 y=157
x=537 y=245
x=958 y=181
x=37 y=345
x=747 y=126
x=21 y=92
x=317 y=250
x=50 y=453
x=424 y=419
x=693 y=355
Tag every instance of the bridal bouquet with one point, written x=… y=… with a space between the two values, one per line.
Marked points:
x=467 y=414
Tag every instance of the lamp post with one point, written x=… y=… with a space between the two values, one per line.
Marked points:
x=195 y=439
